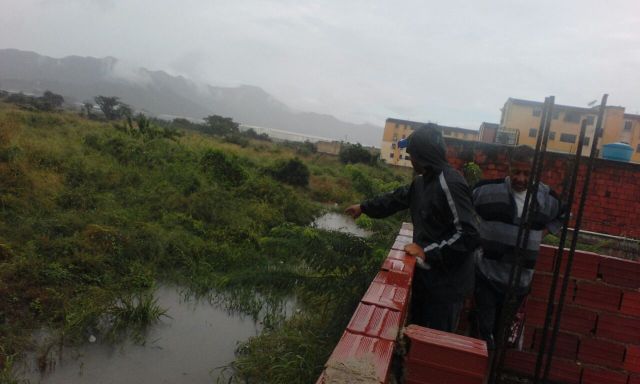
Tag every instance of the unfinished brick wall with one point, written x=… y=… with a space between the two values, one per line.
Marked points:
x=599 y=337
x=613 y=202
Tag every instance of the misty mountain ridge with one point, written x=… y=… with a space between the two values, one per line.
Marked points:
x=158 y=93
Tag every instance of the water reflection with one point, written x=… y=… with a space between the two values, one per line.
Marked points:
x=185 y=348
x=338 y=222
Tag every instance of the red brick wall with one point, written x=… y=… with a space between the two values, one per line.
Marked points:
x=599 y=336
x=613 y=202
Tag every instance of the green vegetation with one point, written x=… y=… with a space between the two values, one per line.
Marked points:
x=93 y=215
x=356 y=153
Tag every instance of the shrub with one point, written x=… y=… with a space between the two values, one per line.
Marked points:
x=356 y=154
x=222 y=168
x=292 y=171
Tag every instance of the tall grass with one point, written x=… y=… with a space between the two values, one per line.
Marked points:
x=92 y=216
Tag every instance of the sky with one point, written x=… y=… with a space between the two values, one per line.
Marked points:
x=452 y=62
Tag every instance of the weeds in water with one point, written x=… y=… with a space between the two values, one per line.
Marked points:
x=91 y=217
x=132 y=315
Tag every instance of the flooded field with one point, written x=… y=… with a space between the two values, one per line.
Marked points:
x=187 y=347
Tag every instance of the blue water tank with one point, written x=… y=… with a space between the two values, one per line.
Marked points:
x=617 y=151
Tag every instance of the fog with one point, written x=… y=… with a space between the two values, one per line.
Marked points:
x=453 y=62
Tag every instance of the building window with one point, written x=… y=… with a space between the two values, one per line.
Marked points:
x=568 y=138
x=572 y=117
x=533 y=132
x=638 y=148
x=397 y=126
x=627 y=125
x=556 y=115
x=587 y=140
x=391 y=155
x=590 y=120
x=537 y=112
x=552 y=135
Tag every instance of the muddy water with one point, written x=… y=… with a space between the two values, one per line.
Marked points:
x=185 y=348
x=338 y=222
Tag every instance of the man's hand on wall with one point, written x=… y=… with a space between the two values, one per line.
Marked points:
x=354 y=211
x=415 y=250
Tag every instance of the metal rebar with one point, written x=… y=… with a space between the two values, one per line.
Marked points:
x=560 y=252
x=574 y=239
x=523 y=232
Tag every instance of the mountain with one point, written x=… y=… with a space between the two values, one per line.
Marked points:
x=158 y=93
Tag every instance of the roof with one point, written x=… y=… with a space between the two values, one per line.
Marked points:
x=555 y=106
x=631 y=116
x=417 y=124
x=489 y=125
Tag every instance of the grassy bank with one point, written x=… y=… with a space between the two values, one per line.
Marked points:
x=93 y=215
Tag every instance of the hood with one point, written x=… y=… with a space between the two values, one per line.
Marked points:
x=426 y=147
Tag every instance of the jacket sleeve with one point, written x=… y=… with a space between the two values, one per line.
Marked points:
x=454 y=249
x=387 y=204
x=559 y=213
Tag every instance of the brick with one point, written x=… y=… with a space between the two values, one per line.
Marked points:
x=407 y=226
x=387 y=296
x=464 y=355
x=598 y=296
x=417 y=372
x=578 y=320
x=630 y=303
x=373 y=321
x=400 y=242
x=565 y=371
x=371 y=355
x=621 y=272
x=405 y=266
x=520 y=362
x=634 y=379
x=541 y=285
x=393 y=278
x=566 y=344
x=529 y=334
x=618 y=328
x=535 y=310
x=601 y=352
x=585 y=265
x=546 y=257
x=632 y=359
x=597 y=375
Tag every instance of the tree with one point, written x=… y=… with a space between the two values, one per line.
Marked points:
x=218 y=125
x=50 y=101
x=112 y=108
x=355 y=154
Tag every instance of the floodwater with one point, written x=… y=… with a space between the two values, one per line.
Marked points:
x=338 y=222
x=185 y=348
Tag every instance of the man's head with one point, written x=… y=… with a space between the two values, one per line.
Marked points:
x=427 y=149
x=520 y=163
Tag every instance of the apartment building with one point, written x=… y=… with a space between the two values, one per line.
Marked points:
x=520 y=123
x=397 y=129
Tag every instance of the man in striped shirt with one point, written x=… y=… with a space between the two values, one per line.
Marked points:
x=499 y=203
x=444 y=230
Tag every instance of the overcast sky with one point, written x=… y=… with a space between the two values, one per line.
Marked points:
x=451 y=61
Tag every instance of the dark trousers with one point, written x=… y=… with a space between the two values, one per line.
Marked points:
x=489 y=304
x=433 y=307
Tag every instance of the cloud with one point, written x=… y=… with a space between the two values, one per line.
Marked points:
x=455 y=62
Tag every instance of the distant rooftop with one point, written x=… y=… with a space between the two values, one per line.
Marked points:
x=417 y=124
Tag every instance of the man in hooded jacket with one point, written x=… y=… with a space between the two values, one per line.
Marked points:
x=444 y=230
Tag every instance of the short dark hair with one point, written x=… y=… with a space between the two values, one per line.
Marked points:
x=522 y=154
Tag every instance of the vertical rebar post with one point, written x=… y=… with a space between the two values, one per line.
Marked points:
x=576 y=232
x=560 y=252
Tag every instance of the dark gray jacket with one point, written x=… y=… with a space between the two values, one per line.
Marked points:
x=444 y=221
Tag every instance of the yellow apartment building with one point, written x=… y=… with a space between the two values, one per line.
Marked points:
x=520 y=122
x=396 y=129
